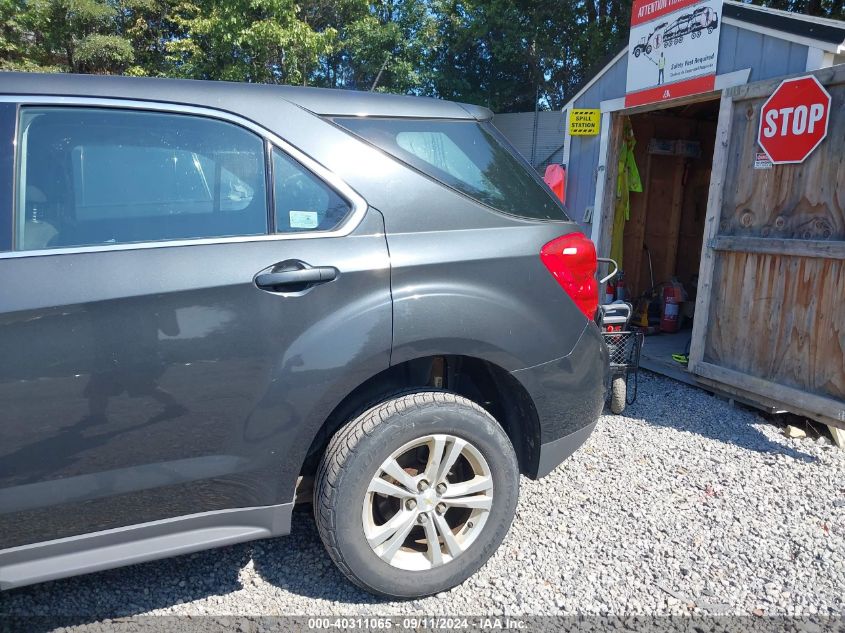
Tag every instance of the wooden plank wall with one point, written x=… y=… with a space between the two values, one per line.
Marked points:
x=780 y=318
x=668 y=216
x=694 y=210
x=803 y=201
x=777 y=309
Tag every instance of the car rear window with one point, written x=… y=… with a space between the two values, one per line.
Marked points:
x=469 y=156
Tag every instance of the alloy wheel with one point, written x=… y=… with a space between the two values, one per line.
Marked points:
x=428 y=502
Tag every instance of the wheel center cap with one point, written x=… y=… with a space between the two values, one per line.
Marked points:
x=428 y=500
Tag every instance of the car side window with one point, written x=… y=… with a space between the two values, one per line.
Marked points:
x=97 y=176
x=303 y=201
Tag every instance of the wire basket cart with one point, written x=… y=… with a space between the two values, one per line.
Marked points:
x=624 y=351
x=623 y=346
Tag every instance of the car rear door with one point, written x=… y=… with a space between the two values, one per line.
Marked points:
x=182 y=294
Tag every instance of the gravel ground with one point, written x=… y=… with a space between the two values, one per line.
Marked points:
x=683 y=505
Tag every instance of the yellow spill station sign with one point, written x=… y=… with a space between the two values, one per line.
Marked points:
x=584 y=122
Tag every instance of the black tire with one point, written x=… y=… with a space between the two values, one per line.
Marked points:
x=618 y=393
x=355 y=454
x=637 y=52
x=648 y=49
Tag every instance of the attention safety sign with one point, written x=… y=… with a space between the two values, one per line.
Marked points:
x=673 y=49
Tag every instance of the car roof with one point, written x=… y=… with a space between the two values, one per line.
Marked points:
x=321 y=101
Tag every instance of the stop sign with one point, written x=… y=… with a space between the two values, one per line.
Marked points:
x=794 y=120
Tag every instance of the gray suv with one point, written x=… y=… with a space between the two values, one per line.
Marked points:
x=219 y=299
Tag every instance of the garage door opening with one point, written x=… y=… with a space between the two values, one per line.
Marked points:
x=662 y=239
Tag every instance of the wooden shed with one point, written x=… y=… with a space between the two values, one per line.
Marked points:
x=758 y=248
x=770 y=313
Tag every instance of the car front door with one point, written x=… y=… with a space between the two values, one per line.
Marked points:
x=180 y=295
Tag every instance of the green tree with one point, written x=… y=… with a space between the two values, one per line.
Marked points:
x=509 y=55
x=598 y=30
x=382 y=43
x=12 y=49
x=74 y=35
x=388 y=48
x=461 y=59
x=148 y=26
x=246 y=40
x=340 y=15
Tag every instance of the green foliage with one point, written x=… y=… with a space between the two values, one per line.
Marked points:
x=148 y=25
x=246 y=40
x=105 y=53
x=71 y=35
x=506 y=54
x=381 y=43
x=10 y=33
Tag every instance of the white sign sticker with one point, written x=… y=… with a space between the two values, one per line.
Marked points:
x=762 y=161
x=304 y=220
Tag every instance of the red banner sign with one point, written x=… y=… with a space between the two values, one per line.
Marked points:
x=648 y=10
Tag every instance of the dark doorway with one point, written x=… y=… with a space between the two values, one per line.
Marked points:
x=663 y=236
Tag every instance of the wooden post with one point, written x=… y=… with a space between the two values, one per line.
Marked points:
x=599 y=212
x=711 y=228
x=607 y=201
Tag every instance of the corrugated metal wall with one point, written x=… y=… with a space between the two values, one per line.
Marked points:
x=518 y=128
x=739 y=48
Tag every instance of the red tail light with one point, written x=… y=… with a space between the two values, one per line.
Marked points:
x=572 y=261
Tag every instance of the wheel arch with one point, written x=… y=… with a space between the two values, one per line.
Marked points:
x=481 y=381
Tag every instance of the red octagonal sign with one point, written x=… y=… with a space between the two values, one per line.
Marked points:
x=794 y=120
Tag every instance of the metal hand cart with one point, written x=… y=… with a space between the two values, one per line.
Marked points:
x=623 y=346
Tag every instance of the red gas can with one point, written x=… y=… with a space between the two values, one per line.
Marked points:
x=555 y=178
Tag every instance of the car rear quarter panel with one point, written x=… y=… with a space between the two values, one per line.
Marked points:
x=482 y=293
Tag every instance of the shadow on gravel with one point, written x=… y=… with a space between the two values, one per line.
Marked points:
x=124 y=592
x=297 y=563
x=300 y=564
x=670 y=404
